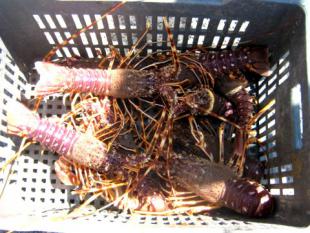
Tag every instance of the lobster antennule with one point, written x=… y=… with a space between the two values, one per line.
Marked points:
x=21 y=121
x=52 y=78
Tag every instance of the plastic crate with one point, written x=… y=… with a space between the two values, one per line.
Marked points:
x=30 y=28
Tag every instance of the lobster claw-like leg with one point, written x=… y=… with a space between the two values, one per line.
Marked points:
x=64 y=172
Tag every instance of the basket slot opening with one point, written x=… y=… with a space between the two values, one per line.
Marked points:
x=114 y=39
x=134 y=37
x=99 y=21
x=160 y=23
x=104 y=38
x=288 y=191
x=68 y=35
x=201 y=40
x=50 y=21
x=244 y=26
x=49 y=38
x=39 y=21
x=133 y=22
x=190 y=40
x=77 y=21
x=94 y=38
x=58 y=53
x=8 y=68
x=7 y=78
x=236 y=42
x=171 y=21
x=125 y=38
x=215 y=41
x=284 y=67
x=296 y=109
x=194 y=23
x=182 y=24
x=110 y=21
x=180 y=40
x=272 y=155
x=286 y=168
x=159 y=40
x=284 y=78
x=275 y=191
x=87 y=20
x=221 y=25
x=233 y=25
x=274 y=170
x=205 y=23
x=274 y=181
x=225 y=42
x=287 y=179
x=89 y=52
x=284 y=57
x=67 y=52
x=8 y=94
x=272 y=79
x=121 y=22
x=84 y=39
x=149 y=20
x=61 y=21
x=58 y=37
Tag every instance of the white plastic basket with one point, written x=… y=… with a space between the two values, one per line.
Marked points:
x=33 y=196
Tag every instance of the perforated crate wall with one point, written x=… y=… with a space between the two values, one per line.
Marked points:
x=30 y=29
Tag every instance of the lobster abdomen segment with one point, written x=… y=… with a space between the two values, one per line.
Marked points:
x=54 y=137
x=247 y=197
x=253 y=59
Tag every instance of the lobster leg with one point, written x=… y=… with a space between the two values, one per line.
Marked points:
x=64 y=172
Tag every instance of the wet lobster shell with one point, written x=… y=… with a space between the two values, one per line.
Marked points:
x=255 y=59
x=218 y=185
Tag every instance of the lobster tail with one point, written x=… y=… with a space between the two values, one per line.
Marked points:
x=52 y=79
x=258 y=60
x=247 y=197
x=255 y=59
x=244 y=107
x=149 y=195
x=21 y=121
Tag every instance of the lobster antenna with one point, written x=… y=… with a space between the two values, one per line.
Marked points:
x=175 y=57
x=52 y=52
x=134 y=46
